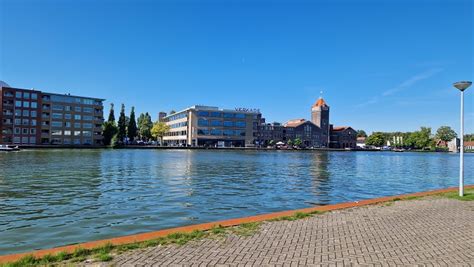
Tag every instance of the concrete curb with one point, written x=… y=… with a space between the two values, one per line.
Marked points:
x=225 y=223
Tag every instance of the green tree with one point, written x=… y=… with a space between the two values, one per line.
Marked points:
x=159 y=130
x=144 y=126
x=420 y=139
x=290 y=143
x=361 y=133
x=122 y=126
x=445 y=133
x=271 y=142
x=469 y=137
x=297 y=142
x=109 y=130
x=111 y=113
x=376 y=139
x=132 y=126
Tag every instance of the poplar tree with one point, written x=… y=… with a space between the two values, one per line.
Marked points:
x=132 y=126
x=122 y=125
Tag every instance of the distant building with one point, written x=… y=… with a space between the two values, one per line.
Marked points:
x=468 y=145
x=343 y=137
x=360 y=142
x=213 y=127
x=315 y=133
x=453 y=145
x=32 y=117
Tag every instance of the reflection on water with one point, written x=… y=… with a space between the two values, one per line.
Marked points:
x=55 y=197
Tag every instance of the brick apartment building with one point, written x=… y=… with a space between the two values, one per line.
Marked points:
x=31 y=117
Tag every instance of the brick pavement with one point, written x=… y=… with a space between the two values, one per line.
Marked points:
x=428 y=232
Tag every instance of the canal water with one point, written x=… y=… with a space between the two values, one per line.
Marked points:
x=51 y=198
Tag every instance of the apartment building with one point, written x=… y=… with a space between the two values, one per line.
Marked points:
x=32 y=117
x=213 y=127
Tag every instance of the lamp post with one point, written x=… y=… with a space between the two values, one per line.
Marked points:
x=462 y=86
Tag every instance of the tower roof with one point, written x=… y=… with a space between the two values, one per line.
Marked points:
x=320 y=103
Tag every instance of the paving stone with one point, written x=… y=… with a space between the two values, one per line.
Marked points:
x=428 y=232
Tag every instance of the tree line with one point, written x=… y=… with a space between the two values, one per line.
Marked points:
x=420 y=139
x=128 y=130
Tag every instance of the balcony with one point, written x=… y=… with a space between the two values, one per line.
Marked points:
x=8 y=94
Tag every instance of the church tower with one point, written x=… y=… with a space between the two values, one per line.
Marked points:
x=320 y=117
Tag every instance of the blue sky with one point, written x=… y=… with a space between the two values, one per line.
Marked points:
x=382 y=65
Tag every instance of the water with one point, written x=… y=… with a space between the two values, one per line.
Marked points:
x=51 y=198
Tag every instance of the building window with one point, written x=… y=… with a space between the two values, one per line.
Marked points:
x=228 y=132
x=32 y=131
x=67 y=108
x=67 y=124
x=56 y=132
x=228 y=115
x=203 y=132
x=56 y=124
x=57 y=116
x=203 y=122
x=203 y=113
x=34 y=104
x=58 y=107
x=77 y=133
x=77 y=141
x=240 y=115
x=215 y=114
x=87 y=110
x=26 y=95
x=26 y=104
x=26 y=113
x=240 y=124
x=77 y=109
x=32 y=140
x=87 y=125
x=18 y=94
x=77 y=125
x=25 y=122
x=86 y=133
x=87 y=101
x=228 y=124
x=77 y=117
x=87 y=118
x=67 y=132
x=33 y=122
x=216 y=123
x=18 y=104
x=24 y=140
x=16 y=139
x=17 y=130
x=67 y=141
x=34 y=113
x=34 y=96
x=67 y=116
x=24 y=131
x=18 y=112
x=18 y=121
x=216 y=132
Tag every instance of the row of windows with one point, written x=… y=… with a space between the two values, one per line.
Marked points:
x=217 y=114
x=25 y=122
x=178 y=133
x=71 y=99
x=217 y=123
x=24 y=140
x=25 y=95
x=26 y=104
x=177 y=116
x=67 y=124
x=69 y=108
x=179 y=124
x=68 y=141
x=68 y=116
x=25 y=130
x=221 y=132
x=26 y=113
x=75 y=133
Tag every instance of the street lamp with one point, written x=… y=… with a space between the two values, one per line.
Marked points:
x=462 y=86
